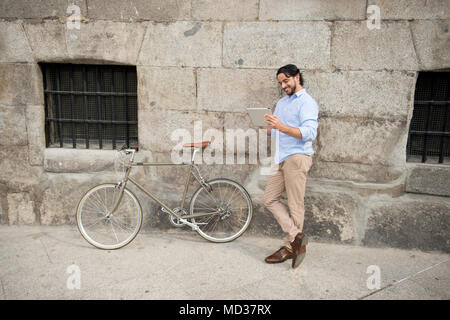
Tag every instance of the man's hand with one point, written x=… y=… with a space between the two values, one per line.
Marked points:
x=275 y=123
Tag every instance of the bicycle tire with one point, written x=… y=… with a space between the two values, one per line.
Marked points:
x=214 y=227
x=91 y=206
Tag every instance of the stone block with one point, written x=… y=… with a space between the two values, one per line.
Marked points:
x=274 y=44
x=224 y=10
x=412 y=9
x=363 y=140
x=60 y=194
x=21 y=84
x=47 y=40
x=248 y=139
x=13 y=128
x=312 y=10
x=15 y=167
x=432 y=43
x=167 y=88
x=39 y=9
x=35 y=124
x=237 y=172
x=105 y=42
x=164 y=181
x=357 y=172
x=78 y=161
x=165 y=130
x=155 y=10
x=3 y=204
x=358 y=190
x=362 y=93
x=13 y=161
x=409 y=222
x=330 y=216
x=183 y=43
x=238 y=120
x=14 y=44
x=21 y=209
x=428 y=179
x=233 y=90
x=354 y=46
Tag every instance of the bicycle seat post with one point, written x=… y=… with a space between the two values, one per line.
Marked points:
x=193 y=154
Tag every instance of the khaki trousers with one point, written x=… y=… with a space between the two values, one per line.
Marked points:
x=290 y=176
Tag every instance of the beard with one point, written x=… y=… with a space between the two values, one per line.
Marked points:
x=290 y=90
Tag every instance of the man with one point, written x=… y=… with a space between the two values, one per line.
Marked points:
x=294 y=125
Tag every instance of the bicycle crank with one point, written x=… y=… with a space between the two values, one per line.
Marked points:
x=174 y=221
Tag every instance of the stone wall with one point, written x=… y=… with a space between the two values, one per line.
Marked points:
x=210 y=60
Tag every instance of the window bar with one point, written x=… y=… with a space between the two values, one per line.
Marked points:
x=113 y=127
x=86 y=125
x=99 y=113
x=72 y=103
x=445 y=128
x=125 y=89
x=444 y=138
x=409 y=144
x=93 y=93
x=47 y=127
x=60 y=133
x=428 y=121
x=95 y=121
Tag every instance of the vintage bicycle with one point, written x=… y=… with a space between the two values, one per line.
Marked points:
x=109 y=215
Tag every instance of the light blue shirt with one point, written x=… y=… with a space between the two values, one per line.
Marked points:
x=299 y=111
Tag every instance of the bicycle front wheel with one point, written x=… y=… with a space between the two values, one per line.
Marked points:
x=100 y=227
x=227 y=209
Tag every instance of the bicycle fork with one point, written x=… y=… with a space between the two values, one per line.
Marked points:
x=122 y=184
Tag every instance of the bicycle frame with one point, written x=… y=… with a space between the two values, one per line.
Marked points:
x=191 y=165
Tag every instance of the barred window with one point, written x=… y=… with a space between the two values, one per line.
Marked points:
x=90 y=106
x=430 y=124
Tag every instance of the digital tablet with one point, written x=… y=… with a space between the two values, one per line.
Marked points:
x=257 y=116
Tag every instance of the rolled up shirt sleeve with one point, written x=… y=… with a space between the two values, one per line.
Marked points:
x=308 y=121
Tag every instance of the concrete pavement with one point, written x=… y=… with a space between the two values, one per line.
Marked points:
x=43 y=262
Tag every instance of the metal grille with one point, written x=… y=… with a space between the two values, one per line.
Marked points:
x=430 y=124
x=90 y=106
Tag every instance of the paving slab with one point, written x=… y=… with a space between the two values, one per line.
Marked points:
x=41 y=262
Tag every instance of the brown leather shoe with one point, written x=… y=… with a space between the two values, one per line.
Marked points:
x=299 y=249
x=281 y=255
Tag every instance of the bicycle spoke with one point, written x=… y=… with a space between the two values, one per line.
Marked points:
x=95 y=202
x=233 y=206
x=94 y=223
x=116 y=231
x=121 y=227
x=100 y=202
x=212 y=198
x=232 y=196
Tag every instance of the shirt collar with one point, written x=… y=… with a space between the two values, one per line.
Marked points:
x=299 y=93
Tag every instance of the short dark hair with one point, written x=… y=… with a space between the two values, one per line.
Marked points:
x=291 y=70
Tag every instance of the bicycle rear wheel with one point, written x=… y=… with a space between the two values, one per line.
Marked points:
x=101 y=228
x=229 y=209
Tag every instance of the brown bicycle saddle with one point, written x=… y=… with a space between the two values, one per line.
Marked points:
x=202 y=144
